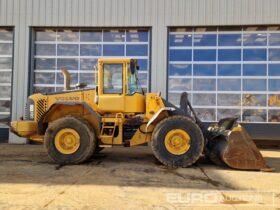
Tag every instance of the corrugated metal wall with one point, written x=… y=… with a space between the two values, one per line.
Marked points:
x=157 y=14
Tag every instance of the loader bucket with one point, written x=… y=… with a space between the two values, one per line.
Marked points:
x=236 y=149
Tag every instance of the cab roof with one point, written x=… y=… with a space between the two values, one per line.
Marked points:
x=114 y=60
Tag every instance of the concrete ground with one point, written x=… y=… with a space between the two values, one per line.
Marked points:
x=130 y=178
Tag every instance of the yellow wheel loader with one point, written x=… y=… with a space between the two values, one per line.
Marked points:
x=77 y=123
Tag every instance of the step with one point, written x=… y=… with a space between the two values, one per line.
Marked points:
x=105 y=126
x=106 y=136
x=105 y=145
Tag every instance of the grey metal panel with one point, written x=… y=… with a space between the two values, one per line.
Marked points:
x=49 y=13
x=95 y=16
x=139 y=12
x=3 y=11
x=61 y=12
x=20 y=74
x=158 y=14
x=35 y=12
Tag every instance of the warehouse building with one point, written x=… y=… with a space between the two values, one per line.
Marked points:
x=225 y=53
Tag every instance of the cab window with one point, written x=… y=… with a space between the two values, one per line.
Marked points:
x=132 y=82
x=113 y=79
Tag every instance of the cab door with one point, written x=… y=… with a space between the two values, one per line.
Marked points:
x=111 y=86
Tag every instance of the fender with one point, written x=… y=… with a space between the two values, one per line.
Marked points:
x=157 y=114
x=82 y=110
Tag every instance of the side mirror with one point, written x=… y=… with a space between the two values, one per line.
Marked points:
x=132 y=66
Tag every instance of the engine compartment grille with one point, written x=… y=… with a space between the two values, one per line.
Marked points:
x=41 y=107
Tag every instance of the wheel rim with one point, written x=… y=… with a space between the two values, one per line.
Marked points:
x=177 y=141
x=67 y=141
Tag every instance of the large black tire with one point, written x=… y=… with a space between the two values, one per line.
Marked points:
x=88 y=140
x=196 y=145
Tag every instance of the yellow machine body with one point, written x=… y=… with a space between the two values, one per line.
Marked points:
x=96 y=107
x=75 y=123
x=24 y=128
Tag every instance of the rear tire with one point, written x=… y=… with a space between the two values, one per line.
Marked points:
x=162 y=152
x=87 y=140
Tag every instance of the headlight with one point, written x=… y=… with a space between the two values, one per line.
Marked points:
x=29 y=110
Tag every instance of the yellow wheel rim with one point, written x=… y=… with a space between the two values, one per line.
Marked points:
x=177 y=141
x=67 y=141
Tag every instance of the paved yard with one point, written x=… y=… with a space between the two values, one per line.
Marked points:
x=130 y=178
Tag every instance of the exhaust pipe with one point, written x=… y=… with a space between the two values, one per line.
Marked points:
x=67 y=79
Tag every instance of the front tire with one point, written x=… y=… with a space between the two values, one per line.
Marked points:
x=177 y=141
x=70 y=140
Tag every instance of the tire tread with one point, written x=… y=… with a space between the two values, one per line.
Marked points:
x=59 y=124
x=187 y=161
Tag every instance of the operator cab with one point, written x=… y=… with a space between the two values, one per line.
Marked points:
x=118 y=86
x=113 y=78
